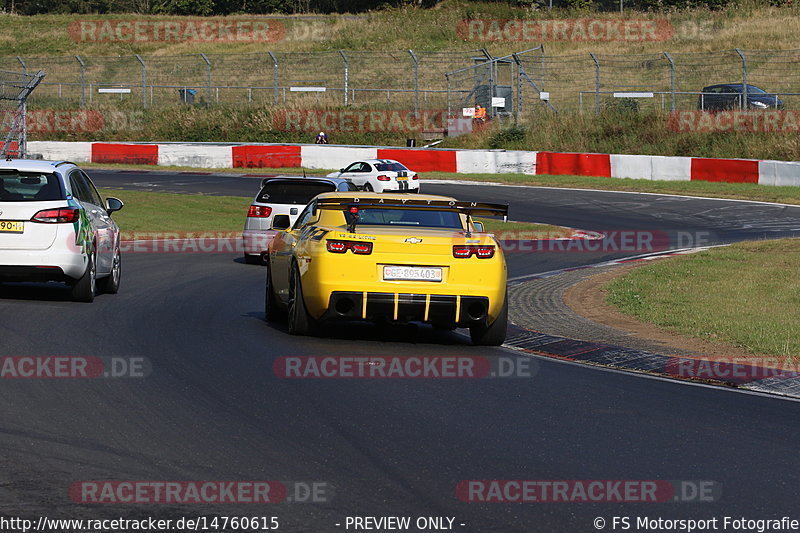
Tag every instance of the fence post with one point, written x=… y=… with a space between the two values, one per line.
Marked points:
x=416 y=82
x=447 y=77
x=346 y=74
x=144 y=80
x=274 y=78
x=596 y=83
x=492 y=80
x=518 y=107
x=671 y=78
x=83 y=80
x=208 y=80
x=24 y=67
x=541 y=73
x=744 y=102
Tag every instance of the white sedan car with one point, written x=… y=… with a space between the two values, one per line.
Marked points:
x=55 y=226
x=380 y=175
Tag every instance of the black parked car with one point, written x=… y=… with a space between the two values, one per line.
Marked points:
x=730 y=95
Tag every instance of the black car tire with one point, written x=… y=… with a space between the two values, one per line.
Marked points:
x=272 y=312
x=253 y=259
x=495 y=333
x=300 y=322
x=110 y=284
x=84 y=289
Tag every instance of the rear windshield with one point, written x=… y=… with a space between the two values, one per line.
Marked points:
x=293 y=192
x=750 y=89
x=29 y=187
x=413 y=218
x=389 y=167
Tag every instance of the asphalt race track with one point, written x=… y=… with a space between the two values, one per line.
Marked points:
x=211 y=407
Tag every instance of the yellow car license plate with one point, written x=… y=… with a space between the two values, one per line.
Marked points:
x=402 y=179
x=410 y=273
x=12 y=226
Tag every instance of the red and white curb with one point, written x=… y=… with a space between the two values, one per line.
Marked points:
x=312 y=156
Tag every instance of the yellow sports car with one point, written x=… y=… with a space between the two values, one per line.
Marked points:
x=392 y=257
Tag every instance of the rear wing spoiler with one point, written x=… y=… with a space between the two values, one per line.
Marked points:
x=467 y=208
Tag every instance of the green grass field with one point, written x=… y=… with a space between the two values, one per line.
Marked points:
x=749 y=25
x=736 y=191
x=150 y=214
x=746 y=294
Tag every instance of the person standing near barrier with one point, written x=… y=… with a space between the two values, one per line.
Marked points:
x=480 y=114
x=321 y=138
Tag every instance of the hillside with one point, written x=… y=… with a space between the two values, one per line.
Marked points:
x=236 y=76
x=403 y=28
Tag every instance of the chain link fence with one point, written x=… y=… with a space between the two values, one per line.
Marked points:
x=404 y=79
x=15 y=89
x=531 y=81
x=518 y=85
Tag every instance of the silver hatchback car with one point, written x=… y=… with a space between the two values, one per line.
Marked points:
x=285 y=195
x=54 y=226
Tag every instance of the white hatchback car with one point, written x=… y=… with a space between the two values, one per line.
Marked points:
x=285 y=195
x=54 y=226
x=380 y=175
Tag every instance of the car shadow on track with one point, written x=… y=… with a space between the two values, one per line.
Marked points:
x=45 y=292
x=412 y=333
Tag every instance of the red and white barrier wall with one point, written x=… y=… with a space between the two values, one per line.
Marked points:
x=217 y=155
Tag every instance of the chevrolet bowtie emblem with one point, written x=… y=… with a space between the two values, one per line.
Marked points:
x=413 y=240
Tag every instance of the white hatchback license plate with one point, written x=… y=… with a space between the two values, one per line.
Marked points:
x=12 y=226
x=410 y=273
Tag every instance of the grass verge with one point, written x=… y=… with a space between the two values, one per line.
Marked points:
x=734 y=191
x=157 y=212
x=744 y=294
x=152 y=214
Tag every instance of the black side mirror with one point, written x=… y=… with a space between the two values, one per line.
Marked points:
x=281 y=222
x=341 y=170
x=113 y=204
